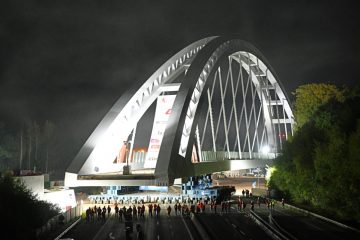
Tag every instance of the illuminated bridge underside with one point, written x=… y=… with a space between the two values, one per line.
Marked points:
x=230 y=112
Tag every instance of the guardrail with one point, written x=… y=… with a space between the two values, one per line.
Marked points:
x=271 y=231
x=282 y=230
x=67 y=229
x=55 y=223
x=306 y=212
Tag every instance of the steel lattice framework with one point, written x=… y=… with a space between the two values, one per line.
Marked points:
x=229 y=108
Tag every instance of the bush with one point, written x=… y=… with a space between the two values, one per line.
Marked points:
x=22 y=213
x=320 y=166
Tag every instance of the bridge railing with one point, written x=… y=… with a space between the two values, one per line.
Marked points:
x=210 y=156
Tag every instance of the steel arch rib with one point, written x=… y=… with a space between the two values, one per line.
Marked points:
x=102 y=145
x=175 y=154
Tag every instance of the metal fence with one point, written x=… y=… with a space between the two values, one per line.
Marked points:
x=55 y=222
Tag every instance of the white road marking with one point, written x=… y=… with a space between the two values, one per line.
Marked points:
x=101 y=230
x=187 y=228
x=234 y=226
x=111 y=235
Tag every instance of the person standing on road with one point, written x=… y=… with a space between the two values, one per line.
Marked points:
x=134 y=212
x=92 y=213
x=272 y=204
x=88 y=214
x=252 y=205
x=192 y=208
x=155 y=209
x=109 y=210
x=283 y=202
x=103 y=214
x=176 y=208
x=150 y=206
x=158 y=209
x=258 y=201
x=198 y=208
x=139 y=234
x=143 y=211
x=99 y=213
x=139 y=211
x=121 y=212
x=169 y=210
x=116 y=211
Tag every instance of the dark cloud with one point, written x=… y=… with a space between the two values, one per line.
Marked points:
x=69 y=61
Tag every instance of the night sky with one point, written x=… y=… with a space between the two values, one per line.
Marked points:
x=69 y=61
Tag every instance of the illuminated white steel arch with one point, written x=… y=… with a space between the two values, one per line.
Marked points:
x=103 y=144
x=200 y=63
x=256 y=69
x=182 y=132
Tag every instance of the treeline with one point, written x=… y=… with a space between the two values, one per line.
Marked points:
x=320 y=165
x=30 y=146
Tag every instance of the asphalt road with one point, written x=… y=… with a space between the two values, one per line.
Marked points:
x=233 y=225
x=303 y=227
x=175 y=227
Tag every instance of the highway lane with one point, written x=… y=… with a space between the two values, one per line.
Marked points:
x=84 y=230
x=232 y=225
x=174 y=227
x=304 y=227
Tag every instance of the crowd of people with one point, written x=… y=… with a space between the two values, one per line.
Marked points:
x=194 y=206
x=133 y=212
